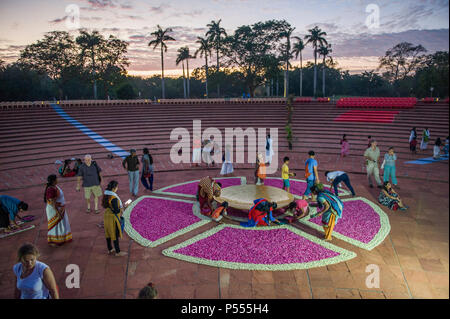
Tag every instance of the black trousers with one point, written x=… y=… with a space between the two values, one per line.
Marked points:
x=4 y=218
x=115 y=242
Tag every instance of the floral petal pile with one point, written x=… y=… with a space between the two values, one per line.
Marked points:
x=154 y=220
x=363 y=223
x=266 y=248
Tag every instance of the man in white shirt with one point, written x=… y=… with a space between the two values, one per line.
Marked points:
x=336 y=177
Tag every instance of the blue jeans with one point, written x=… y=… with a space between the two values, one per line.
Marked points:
x=310 y=183
x=389 y=171
x=342 y=178
x=150 y=181
x=133 y=178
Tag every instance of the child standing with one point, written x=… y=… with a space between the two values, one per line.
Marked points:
x=285 y=175
x=345 y=146
x=260 y=172
x=413 y=145
x=389 y=166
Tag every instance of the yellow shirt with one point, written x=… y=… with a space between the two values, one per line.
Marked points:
x=285 y=171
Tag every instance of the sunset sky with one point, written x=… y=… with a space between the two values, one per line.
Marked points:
x=356 y=47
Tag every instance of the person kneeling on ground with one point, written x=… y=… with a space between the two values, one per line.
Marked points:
x=10 y=208
x=261 y=214
x=389 y=198
x=298 y=209
x=217 y=214
x=331 y=208
x=207 y=189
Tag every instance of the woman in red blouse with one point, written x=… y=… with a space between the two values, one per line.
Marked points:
x=58 y=224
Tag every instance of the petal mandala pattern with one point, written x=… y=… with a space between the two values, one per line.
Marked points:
x=263 y=248
x=152 y=220
x=363 y=223
x=189 y=189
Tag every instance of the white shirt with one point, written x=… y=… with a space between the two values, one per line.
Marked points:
x=333 y=175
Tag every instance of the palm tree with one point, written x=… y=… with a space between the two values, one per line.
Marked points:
x=316 y=38
x=160 y=40
x=89 y=44
x=180 y=58
x=214 y=35
x=188 y=56
x=204 y=50
x=324 y=51
x=298 y=47
x=288 y=54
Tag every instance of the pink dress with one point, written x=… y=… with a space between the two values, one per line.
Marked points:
x=345 y=148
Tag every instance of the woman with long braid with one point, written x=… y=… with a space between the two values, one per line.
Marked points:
x=112 y=218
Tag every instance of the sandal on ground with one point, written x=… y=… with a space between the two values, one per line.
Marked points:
x=97 y=211
x=122 y=253
x=88 y=211
x=110 y=252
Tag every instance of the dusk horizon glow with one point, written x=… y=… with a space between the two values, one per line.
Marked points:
x=356 y=47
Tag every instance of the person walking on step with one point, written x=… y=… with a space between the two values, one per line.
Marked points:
x=90 y=173
x=345 y=146
x=372 y=154
x=269 y=149
x=131 y=164
x=147 y=170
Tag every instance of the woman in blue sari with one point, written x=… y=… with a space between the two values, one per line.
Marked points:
x=331 y=208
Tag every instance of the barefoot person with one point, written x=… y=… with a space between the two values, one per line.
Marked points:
x=34 y=279
x=58 y=224
x=207 y=189
x=10 y=208
x=285 y=175
x=261 y=214
x=112 y=218
x=89 y=172
x=389 y=198
x=298 y=209
x=331 y=208
x=336 y=177
x=311 y=174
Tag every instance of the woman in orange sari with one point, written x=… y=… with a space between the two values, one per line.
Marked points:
x=58 y=224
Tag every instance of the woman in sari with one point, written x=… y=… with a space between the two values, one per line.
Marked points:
x=112 y=219
x=389 y=198
x=261 y=214
x=58 y=224
x=331 y=208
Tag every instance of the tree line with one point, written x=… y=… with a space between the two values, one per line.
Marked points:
x=255 y=59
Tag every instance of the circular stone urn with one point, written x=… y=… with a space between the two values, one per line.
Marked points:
x=242 y=196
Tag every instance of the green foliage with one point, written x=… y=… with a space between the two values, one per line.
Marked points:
x=126 y=92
